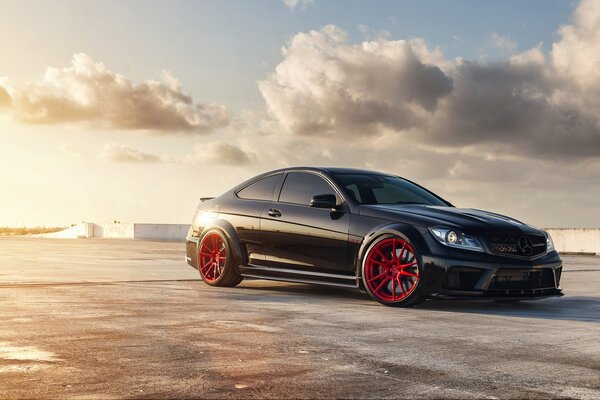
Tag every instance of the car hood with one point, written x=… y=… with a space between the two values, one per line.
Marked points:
x=467 y=219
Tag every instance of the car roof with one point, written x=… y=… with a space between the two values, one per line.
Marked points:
x=331 y=170
x=326 y=170
x=337 y=170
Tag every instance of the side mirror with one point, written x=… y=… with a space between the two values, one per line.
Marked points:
x=324 y=201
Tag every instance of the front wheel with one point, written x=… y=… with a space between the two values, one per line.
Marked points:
x=215 y=260
x=391 y=272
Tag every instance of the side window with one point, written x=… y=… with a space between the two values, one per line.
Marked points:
x=260 y=190
x=300 y=187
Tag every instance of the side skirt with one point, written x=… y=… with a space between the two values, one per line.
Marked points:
x=288 y=275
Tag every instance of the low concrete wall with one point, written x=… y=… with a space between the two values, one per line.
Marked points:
x=576 y=240
x=566 y=240
x=122 y=231
x=161 y=231
x=114 y=230
x=77 y=231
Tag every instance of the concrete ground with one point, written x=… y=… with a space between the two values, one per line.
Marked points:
x=124 y=318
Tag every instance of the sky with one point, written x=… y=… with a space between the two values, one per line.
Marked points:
x=132 y=110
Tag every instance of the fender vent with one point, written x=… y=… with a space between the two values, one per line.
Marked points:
x=462 y=278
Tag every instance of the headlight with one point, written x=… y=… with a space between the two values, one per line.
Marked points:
x=453 y=238
x=549 y=243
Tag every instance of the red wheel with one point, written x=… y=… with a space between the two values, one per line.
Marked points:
x=212 y=257
x=216 y=261
x=391 y=272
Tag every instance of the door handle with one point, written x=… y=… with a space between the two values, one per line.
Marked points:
x=273 y=212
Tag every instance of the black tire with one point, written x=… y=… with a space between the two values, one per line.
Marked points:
x=217 y=270
x=386 y=293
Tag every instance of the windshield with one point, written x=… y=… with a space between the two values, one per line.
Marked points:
x=382 y=189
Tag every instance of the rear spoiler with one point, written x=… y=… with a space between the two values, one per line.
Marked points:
x=203 y=199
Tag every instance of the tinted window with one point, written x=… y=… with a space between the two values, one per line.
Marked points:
x=300 y=187
x=381 y=189
x=260 y=190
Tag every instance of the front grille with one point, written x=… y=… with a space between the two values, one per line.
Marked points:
x=522 y=279
x=517 y=245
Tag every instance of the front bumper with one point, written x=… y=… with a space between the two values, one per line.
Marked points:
x=492 y=277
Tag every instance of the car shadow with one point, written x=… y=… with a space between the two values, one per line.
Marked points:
x=314 y=290
x=568 y=308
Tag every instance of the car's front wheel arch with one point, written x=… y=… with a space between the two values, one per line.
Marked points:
x=391 y=270
x=404 y=231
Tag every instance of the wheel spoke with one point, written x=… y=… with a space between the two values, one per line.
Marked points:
x=408 y=265
x=401 y=287
x=376 y=277
x=382 y=255
x=382 y=283
x=404 y=273
x=205 y=254
x=206 y=266
x=393 y=289
x=402 y=251
x=382 y=263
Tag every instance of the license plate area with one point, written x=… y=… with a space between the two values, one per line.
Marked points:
x=512 y=276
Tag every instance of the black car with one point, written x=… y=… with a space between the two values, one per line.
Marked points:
x=377 y=232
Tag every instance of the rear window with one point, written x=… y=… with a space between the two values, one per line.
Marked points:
x=261 y=189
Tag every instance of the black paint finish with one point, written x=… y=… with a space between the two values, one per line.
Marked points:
x=297 y=242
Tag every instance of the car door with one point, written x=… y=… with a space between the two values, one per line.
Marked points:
x=244 y=214
x=299 y=237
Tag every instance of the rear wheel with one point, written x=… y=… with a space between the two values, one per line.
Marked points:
x=391 y=272
x=215 y=261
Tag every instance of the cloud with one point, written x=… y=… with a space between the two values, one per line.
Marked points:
x=516 y=108
x=123 y=154
x=87 y=92
x=503 y=43
x=295 y=3
x=529 y=105
x=325 y=85
x=577 y=54
x=219 y=153
x=208 y=154
x=71 y=151
x=5 y=99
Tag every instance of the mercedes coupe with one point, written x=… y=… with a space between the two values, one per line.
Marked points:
x=373 y=231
